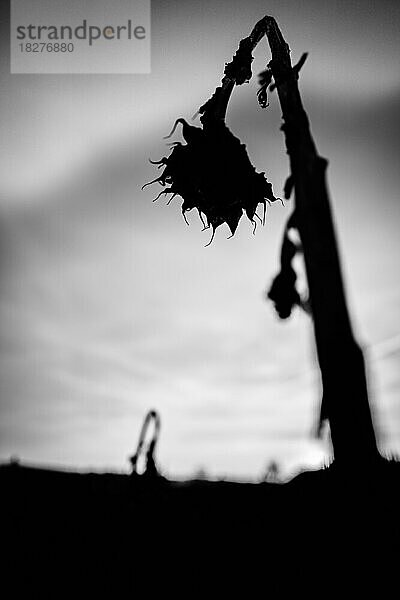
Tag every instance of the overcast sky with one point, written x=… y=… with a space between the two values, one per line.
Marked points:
x=110 y=305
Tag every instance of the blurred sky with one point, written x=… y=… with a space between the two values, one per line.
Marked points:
x=110 y=305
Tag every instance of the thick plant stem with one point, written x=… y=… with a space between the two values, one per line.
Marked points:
x=345 y=394
x=345 y=400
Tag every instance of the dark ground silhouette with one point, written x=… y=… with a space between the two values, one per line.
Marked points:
x=320 y=532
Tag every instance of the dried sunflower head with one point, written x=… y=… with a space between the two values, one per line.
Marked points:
x=213 y=174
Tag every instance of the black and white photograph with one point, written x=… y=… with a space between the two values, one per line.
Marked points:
x=200 y=298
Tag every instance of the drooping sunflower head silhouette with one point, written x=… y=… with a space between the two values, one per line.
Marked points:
x=213 y=174
x=211 y=171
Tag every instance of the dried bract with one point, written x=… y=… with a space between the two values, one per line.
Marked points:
x=264 y=81
x=283 y=292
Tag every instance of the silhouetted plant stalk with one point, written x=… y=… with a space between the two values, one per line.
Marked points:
x=213 y=174
x=345 y=401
